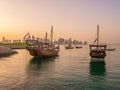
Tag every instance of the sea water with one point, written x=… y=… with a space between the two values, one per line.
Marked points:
x=70 y=70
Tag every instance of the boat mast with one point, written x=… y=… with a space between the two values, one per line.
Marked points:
x=46 y=37
x=51 y=34
x=97 y=34
x=70 y=41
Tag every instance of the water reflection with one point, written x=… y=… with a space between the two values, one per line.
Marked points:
x=97 y=60
x=37 y=63
x=37 y=73
x=97 y=68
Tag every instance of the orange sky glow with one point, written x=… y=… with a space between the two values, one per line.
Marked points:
x=77 y=19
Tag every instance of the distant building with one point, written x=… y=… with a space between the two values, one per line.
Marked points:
x=3 y=38
x=23 y=41
x=37 y=38
x=66 y=42
x=61 y=41
x=17 y=41
x=85 y=43
x=75 y=42
x=80 y=42
x=6 y=41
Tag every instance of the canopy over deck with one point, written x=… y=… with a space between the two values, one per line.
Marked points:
x=93 y=45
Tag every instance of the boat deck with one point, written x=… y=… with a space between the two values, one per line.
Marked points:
x=97 y=51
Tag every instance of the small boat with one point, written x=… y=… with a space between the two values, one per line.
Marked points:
x=97 y=50
x=41 y=48
x=70 y=45
x=78 y=46
x=109 y=48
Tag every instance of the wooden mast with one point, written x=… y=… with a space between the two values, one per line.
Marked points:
x=46 y=37
x=52 y=34
x=97 y=34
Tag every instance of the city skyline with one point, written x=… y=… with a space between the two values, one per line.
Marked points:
x=77 y=19
x=59 y=40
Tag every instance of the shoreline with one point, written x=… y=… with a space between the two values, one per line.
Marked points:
x=6 y=51
x=17 y=47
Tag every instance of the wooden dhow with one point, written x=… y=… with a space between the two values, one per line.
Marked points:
x=97 y=50
x=41 y=48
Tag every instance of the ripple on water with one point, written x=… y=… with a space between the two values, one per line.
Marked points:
x=71 y=70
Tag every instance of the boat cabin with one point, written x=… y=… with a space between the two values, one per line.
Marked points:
x=97 y=51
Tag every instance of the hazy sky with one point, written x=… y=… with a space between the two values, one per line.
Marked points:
x=71 y=18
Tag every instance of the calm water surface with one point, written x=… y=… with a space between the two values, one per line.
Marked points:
x=71 y=70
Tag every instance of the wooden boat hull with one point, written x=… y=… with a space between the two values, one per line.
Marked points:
x=110 y=49
x=68 y=47
x=97 y=54
x=78 y=47
x=41 y=47
x=42 y=53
